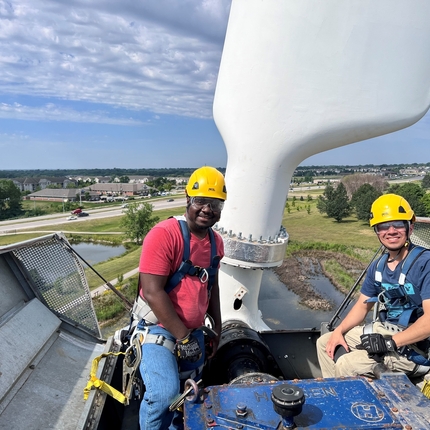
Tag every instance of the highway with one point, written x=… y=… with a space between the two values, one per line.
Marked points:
x=32 y=224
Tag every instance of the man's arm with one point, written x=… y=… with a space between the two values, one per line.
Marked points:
x=417 y=331
x=161 y=305
x=354 y=318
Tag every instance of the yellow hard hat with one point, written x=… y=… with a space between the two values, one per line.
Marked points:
x=207 y=182
x=390 y=207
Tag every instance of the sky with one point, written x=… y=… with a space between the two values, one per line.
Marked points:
x=130 y=84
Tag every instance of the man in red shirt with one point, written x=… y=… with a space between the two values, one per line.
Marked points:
x=173 y=349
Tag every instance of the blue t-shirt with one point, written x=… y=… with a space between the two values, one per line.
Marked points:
x=417 y=284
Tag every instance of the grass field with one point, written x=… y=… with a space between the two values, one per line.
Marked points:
x=307 y=229
x=305 y=226
x=309 y=232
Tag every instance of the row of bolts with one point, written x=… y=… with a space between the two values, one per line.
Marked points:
x=239 y=236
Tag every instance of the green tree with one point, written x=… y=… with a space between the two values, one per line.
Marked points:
x=426 y=181
x=138 y=220
x=426 y=203
x=10 y=200
x=413 y=193
x=326 y=196
x=394 y=189
x=338 y=207
x=362 y=201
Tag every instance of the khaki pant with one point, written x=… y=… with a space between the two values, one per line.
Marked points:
x=357 y=362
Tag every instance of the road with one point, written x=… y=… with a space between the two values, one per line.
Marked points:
x=99 y=290
x=32 y=224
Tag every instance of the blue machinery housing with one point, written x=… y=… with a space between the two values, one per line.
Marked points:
x=391 y=402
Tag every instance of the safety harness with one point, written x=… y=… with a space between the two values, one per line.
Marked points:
x=139 y=335
x=409 y=309
x=141 y=309
x=187 y=267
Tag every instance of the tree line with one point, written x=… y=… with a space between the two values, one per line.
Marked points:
x=353 y=195
x=115 y=172
x=356 y=193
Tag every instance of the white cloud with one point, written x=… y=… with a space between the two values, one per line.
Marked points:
x=52 y=112
x=160 y=56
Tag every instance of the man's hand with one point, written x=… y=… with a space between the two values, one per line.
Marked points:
x=375 y=343
x=336 y=340
x=188 y=349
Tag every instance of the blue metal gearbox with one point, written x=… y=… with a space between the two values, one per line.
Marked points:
x=391 y=402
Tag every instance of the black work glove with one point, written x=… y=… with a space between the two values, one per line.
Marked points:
x=375 y=343
x=188 y=349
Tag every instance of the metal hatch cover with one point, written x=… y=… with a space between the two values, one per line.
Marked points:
x=353 y=403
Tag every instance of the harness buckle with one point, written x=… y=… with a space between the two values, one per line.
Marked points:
x=382 y=299
x=160 y=340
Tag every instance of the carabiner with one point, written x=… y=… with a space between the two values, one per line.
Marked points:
x=203 y=276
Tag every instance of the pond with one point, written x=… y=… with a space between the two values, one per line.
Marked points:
x=281 y=308
x=94 y=253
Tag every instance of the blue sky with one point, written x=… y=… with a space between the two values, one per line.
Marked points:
x=130 y=84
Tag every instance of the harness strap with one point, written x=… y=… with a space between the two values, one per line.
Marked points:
x=186 y=264
x=414 y=356
x=95 y=382
x=410 y=259
x=191 y=374
x=159 y=339
x=187 y=267
x=141 y=309
x=394 y=296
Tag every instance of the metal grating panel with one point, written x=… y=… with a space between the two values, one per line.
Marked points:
x=60 y=281
x=421 y=233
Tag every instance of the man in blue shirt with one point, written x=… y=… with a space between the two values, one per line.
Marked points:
x=399 y=282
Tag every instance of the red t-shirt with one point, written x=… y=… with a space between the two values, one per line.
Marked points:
x=162 y=253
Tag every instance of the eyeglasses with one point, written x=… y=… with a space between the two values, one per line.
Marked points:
x=383 y=227
x=215 y=204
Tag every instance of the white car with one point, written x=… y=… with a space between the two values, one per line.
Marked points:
x=71 y=217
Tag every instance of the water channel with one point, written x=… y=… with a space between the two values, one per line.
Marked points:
x=280 y=307
x=94 y=253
